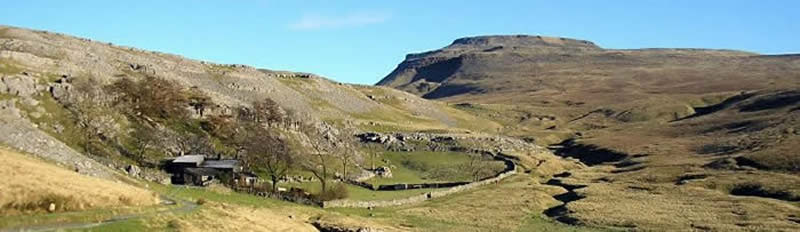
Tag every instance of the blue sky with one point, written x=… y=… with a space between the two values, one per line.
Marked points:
x=362 y=41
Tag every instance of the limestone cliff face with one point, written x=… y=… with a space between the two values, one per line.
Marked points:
x=422 y=73
x=47 y=56
x=39 y=71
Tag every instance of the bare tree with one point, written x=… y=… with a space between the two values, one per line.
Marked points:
x=344 y=153
x=347 y=154
x=189 y=143
x=152 y=97
x=199 y=101
x=270 y=154
x=144 y=139
x=264 y=111
x=92 y=112
x=477 y=167
x=373 y=149
x=230 y=131
x=320 y=158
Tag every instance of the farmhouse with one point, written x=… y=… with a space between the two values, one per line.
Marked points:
x=198 y=170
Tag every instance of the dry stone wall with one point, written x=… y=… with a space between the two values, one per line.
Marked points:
x=345 y=203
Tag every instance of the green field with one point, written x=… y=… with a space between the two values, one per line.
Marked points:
x=426 y=167
x=409 y=168
x=360 y=193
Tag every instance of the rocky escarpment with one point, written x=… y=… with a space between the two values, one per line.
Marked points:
x=409 y=142
x=500 y=42
x=495 y=69
x=423 y=73
x=17 y=131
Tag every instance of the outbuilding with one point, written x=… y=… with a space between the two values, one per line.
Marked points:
x=198 y=170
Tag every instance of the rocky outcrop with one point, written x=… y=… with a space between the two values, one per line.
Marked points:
x=18 y=85
x=473 y=143
x=331 y=227
x=21 y=134
x=133 y=170
x=383 y=172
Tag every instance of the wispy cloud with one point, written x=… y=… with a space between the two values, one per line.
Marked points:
x=318 y=21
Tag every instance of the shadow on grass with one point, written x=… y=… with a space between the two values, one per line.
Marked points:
x=757 y=190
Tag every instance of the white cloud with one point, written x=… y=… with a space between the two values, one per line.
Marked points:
x=317 y=21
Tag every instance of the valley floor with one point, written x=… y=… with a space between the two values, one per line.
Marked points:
x=514 y=204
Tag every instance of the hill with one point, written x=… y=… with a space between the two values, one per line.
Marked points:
x=558 y=70
x=118 y=113
x=44 y=75
x=664 y=130
x=571 y=78
x=644 y=139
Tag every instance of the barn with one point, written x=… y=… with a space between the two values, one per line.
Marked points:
x=201 y=171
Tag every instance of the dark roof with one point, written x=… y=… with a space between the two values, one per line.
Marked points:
x=202 y=171
x=197 y=159
x=221 y=164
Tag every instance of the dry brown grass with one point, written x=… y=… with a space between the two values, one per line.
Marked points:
x=498 y=207
x=673 y=207
x=219 y=188
x=544 y=164
x=503 y=207
x=783 y=157
x=216 y=216
x=652 y=199
x=30 y=185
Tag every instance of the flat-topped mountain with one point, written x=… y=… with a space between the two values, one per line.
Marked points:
x=674 y=128
x=500 y=68
x=521 y=41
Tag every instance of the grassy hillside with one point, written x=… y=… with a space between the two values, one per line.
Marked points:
x=672 y=139
x=677 y=139
x=32 y=185
x=121 y=107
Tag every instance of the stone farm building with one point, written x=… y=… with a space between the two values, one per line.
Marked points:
x=200 y=171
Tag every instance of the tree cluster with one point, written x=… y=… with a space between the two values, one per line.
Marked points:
x=251 y=139
x=252 y=134
x=153 y=97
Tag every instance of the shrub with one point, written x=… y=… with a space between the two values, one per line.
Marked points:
x=175 y=224
x=263 y=187
x=338 y=191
